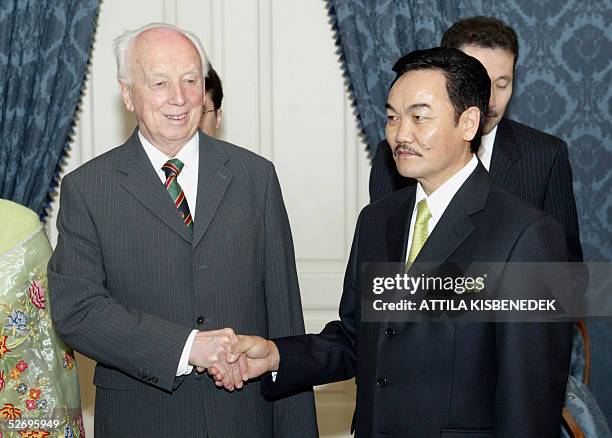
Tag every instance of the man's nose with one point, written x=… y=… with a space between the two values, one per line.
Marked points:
x=492 y=101
x=177 y=95
x=405 y=132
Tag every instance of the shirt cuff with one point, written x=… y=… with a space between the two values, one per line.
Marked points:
x=183 y=365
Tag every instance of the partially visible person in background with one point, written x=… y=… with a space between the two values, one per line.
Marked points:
x=38 y=375
x=211 y=114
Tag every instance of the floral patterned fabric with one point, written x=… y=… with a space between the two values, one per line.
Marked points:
x=39 y=392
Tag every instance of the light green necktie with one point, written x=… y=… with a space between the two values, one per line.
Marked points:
x=421 y=230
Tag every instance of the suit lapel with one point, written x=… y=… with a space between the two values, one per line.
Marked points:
x=455 y=225
x=144 y=184
x=213 y=180
x=398 y=226
x=504 y=160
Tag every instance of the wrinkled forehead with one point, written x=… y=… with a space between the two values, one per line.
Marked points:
x=491 y=57
x=161 y=48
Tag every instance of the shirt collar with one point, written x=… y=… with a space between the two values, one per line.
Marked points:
x=189 y=154
x=442 y=196
x=487 y=141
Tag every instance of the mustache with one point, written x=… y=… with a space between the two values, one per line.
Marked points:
x=491 y=113
x=404 y=147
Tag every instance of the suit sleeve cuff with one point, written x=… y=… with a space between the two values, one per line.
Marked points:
x=183 y=365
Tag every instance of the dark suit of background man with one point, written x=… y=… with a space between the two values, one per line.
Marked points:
x=426 y=380
x=150 y=266
x=530 y=164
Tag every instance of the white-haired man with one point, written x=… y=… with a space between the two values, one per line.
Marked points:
x=164 y=241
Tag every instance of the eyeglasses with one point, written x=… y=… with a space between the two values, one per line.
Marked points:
x=208 y=110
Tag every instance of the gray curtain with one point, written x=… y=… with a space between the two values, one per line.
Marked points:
x=562 y=87
x=44 y=49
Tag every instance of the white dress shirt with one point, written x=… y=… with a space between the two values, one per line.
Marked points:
x=440 y=198
x=188 y=180
x=485 y=152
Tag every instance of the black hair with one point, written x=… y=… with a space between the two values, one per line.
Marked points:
x=487 y=32
x=467 y=81
x=212 y=85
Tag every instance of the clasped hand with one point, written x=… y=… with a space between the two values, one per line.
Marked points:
x=232 y=359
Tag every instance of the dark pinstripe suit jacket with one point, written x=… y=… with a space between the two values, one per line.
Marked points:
x=129 y=283
x=531 y=164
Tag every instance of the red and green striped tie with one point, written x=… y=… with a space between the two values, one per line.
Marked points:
x=172 y=168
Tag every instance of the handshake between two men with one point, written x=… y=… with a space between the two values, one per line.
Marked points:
x=232 y=359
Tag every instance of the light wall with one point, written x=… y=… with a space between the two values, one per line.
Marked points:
x=284 y=99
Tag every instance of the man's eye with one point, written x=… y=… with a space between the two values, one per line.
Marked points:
x=391 y=118
x=419 y=118
x=159 y=84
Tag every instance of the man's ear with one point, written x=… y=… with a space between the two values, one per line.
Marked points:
x=470 y=120
x=126 y=94
x=219 y=114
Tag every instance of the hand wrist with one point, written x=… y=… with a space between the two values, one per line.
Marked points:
x=274 y=357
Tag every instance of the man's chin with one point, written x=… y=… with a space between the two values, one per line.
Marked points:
x=489 y=125
x=405 y=170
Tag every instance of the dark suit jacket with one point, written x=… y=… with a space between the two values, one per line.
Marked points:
x=530 y=164
x=451 y=380
x=129 y=283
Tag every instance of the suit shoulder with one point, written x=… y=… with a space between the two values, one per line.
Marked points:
x=512 y=211
x=386 y=205
x=242 y=156
x=530 y=137
x=98 y=164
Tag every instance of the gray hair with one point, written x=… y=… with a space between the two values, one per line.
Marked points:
x=123 y=43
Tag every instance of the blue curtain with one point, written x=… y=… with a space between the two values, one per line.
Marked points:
x=373 y=34
x=562 y=87
x=44 y=49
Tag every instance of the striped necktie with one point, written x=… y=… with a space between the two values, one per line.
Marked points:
x=172 y=168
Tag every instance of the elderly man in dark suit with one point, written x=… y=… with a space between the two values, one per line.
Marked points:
x=530 y=164
x=165 y=240
x=425 y=380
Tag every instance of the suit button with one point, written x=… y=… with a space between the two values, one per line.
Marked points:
x=200 y=320
x=389 y=333
x=381 y=382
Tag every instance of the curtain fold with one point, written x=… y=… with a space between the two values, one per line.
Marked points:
x=44 y=51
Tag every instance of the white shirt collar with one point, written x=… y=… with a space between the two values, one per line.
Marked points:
x=189 y=154
x=485 y=152
x=442 y=196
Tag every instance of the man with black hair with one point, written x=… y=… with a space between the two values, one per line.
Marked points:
x=212 y=112
x=451 y=380
x=530 y=164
